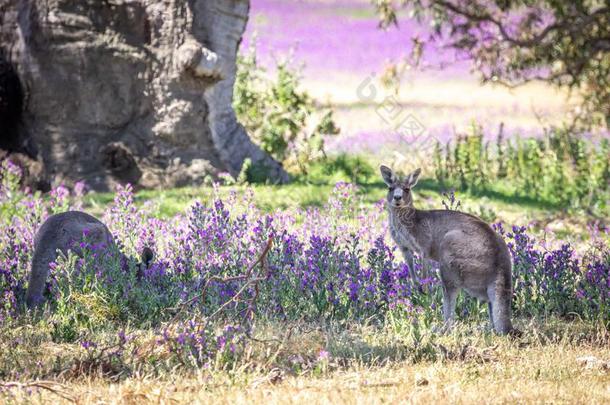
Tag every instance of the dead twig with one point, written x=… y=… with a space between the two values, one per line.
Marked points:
x=261 y=260
x=286 y=337
x=54 y=387
x=250 y=282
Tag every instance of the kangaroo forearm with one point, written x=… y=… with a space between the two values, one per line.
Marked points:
x=38 y=277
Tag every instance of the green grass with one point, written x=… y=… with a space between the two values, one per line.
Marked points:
x=306 y=194
x=313 y=190
x=267 y=197
x=495 y=205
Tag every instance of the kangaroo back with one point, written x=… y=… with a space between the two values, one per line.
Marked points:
x=61 y=232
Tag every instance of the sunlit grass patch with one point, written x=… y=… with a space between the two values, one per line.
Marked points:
x=313 y=365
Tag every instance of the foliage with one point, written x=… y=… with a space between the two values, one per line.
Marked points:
x=450 y=202
x=323 y=264
x=341 y=167
x=559 y=42
x=11 y=195
x=183 y=316
x=279 y=115
x=558 y=168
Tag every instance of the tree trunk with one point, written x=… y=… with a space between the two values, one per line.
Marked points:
x=122 y=91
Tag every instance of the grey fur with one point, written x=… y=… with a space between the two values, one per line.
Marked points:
x=470 y=254
x=63 y=232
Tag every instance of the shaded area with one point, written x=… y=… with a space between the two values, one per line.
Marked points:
x=126 y=92
x=11 y=105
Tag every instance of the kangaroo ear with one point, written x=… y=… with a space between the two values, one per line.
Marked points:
x=147 y=256
x=388 y=176
x=412 y=178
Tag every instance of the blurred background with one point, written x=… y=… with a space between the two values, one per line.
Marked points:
x=506 y=104
x=503 y=102
x=339 y=51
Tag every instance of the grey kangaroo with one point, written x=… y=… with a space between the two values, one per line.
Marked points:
x=471 y=255
x=63 y=232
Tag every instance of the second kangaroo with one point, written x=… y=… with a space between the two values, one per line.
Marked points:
x=471 y=255
x=62 y=232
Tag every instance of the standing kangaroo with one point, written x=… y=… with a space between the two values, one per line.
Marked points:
x=471 y=255
x=63 y=232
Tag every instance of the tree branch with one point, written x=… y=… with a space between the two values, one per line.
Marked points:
x=525 y=43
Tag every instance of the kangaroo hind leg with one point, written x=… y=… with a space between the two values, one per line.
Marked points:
x=491 y=318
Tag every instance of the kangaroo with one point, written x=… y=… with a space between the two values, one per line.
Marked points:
x=471 y=255
x=63 y=232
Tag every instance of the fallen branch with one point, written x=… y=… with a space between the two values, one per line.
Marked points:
x=246 y=276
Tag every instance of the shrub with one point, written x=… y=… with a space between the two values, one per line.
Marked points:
x=341 y=167
x=559 y=168
x=279 y=115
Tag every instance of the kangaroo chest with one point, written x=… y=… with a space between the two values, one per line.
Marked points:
x=402 y=235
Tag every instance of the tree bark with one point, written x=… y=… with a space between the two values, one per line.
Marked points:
x=135 y=91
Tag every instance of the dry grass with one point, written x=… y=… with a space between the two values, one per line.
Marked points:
x=533 y=375
x=468 y=366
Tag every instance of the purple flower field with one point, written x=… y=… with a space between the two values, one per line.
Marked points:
x=335 y=37
x=339 y=45
x=322 y=263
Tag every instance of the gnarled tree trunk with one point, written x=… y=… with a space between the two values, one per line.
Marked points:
x=132 y=91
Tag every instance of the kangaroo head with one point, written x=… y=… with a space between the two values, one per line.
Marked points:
x=147 y=256
x=399 y=190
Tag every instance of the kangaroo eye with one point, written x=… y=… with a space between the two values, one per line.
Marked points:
x=391 y=188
